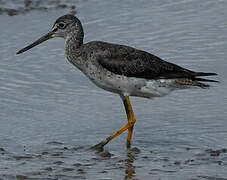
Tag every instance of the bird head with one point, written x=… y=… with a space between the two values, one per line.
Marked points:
x=64 y=26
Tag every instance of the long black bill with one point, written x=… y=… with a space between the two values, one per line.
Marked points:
x=40 y=40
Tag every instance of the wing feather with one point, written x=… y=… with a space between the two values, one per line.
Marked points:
x=131 y=62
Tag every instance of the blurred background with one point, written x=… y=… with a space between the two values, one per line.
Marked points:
x=16 y=7
x=50 y=113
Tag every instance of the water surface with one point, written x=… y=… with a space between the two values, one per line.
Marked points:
x=50 y=114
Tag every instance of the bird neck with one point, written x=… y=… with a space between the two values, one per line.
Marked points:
x=74 y=40
x=73 y=44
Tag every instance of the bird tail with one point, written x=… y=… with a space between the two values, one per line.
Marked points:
x=195 y=81
x=204 y=74
x=195 y=78
x=205 y=80
x=188 y=82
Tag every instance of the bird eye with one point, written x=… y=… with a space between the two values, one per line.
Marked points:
x=61 y=25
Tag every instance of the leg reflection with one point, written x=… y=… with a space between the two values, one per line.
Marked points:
x=129 y=168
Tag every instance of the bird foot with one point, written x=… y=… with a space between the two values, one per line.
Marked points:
x=98 y=147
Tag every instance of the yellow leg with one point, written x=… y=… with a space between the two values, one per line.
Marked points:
x=129 y=126
x=115 y=134
x=131 y=119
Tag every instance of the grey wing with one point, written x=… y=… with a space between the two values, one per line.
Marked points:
x=131 y=62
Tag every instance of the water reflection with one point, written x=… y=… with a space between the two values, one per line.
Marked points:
x=125 y=163
x=129 y=167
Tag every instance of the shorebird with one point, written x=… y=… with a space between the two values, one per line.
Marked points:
x=121 y=69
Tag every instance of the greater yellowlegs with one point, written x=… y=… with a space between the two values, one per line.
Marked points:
x=120 y=69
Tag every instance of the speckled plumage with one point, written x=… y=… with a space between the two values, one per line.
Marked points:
x=117 y=68
x=123 y=69
x=120 y=69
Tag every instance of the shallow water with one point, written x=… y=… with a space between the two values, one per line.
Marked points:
x=50 y=114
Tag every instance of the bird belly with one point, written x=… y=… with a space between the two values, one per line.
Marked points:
x=130 y=86
x=155 y=88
